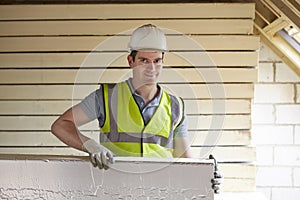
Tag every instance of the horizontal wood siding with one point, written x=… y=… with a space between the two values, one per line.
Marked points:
x=92 y=60
x=52 y=56
x=50 y=107
x=169 y=75
x=88 y=43
x=114 y=11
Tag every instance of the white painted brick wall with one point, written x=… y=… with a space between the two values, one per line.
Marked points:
x=274 y=93
x=265 y=191
x=285 y=193
x=285 y=74
x=264 y=155
x=270 y=134
x=287 y=155
x=297 y=135
x=267 y=55
x=288 y=114
x=298 y=93
x=265 y=72
x=274 y=176
x=276 y=128
x=263 y=114
x=297 y=177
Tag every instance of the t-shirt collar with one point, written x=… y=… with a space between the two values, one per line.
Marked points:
x=155 y=100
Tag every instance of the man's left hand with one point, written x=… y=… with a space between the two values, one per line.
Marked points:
x=217 y=179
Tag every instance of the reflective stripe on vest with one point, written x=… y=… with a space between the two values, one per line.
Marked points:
x=124 y=131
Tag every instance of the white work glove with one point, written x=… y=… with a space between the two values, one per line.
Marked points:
x=100 y=156
x=218 y=179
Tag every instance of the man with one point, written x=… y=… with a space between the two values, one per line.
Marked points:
x=147 y=47
x=137 y=117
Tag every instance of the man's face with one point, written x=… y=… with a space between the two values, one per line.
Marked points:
x=146 y=67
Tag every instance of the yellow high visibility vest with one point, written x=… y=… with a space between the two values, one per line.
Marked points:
x=124 y=131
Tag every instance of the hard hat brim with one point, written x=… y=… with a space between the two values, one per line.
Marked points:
x=148 y=50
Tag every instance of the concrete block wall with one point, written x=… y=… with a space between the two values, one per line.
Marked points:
x=276 y=128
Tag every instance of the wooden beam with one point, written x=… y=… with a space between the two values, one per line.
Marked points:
x=275 y=26
x=95 y=76
x=193 y=106
x=69 y=92
x=120 y=11
x=102 y=43
x=32 y=2
x=287 y=53
x=289 y=10
x=118 y=59
x=284 y=14
x=112 y=27
x=46 y=138
x=196 y=122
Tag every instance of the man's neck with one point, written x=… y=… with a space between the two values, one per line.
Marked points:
x=147 y=91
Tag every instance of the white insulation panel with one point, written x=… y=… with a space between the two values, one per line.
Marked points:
x=128 y=178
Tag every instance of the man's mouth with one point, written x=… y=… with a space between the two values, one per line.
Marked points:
x=150 y=74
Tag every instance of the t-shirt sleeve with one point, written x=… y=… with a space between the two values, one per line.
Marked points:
x=182 y=129
x=93 y=106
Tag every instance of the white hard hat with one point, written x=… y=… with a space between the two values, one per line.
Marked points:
x=147 y=38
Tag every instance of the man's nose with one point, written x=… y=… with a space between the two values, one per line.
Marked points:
x=151 y=65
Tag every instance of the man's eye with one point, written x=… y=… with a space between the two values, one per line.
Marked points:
x=144 y=61
x=158 y=61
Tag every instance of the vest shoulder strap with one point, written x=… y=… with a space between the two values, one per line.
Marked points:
x=177 y=110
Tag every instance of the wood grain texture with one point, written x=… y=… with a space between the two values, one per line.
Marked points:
x=69 y=92
x=194 y=106
x=219 y=122
x=109 y=75
x=118 y=59
x=104 y=43
x=120 y=11
x=111 y=27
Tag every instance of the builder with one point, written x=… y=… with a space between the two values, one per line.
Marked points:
x=137 y=117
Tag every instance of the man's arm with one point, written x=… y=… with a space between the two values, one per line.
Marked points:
x=65 y=127
x=181 y=141
x=182 y=148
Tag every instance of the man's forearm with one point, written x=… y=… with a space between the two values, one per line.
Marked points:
x=182 y=148
x=68 y=133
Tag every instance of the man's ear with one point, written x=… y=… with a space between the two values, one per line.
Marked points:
x=130 y=61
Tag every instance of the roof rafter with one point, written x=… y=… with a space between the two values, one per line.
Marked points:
x=271 y=17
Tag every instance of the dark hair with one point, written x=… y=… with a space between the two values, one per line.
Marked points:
x=134 y=52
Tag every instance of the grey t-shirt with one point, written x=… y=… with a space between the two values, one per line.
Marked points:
x=93 y=106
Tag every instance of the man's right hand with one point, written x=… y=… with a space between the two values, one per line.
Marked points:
x=100 y=156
